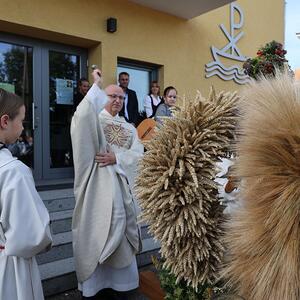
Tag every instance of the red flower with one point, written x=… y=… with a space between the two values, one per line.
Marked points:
x=259 y=53
x=280 y=52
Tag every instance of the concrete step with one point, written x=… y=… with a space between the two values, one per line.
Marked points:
x=57 y=265
x=54 y=283
x=56 y=194
x=59 y=260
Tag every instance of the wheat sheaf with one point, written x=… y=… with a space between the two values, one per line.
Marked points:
x=263 y=237
x=176 y=188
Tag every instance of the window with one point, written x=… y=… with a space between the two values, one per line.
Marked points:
x=141 y=74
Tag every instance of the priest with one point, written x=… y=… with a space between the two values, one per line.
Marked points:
x=106 y=150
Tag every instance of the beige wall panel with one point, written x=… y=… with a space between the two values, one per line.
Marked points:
x=182 y=47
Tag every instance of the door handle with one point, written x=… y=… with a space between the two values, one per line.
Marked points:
x=34 y=118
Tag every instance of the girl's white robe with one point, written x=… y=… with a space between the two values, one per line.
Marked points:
x=24 y=231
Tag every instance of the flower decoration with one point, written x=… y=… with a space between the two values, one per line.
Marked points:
x=269 y=57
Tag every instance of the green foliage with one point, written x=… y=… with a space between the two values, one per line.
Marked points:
x=180 y=291
x=269 y=57
x=16 y=68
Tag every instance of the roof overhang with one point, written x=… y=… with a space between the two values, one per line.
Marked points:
x=186 y=9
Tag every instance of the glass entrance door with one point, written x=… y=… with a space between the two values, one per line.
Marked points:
x=63 y=68
x=64 y=72
x=16 y=76
x=45 y=75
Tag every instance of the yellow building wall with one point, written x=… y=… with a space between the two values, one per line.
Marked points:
x=181 y=46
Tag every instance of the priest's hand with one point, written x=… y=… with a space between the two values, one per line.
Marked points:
x=97 y=76
x=105 y=158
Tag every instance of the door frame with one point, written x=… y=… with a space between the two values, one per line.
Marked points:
x=36 y=92
x=55 y=173
x=40 y=91
x=153 y=69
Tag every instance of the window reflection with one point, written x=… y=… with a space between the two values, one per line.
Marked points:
x=16 y=77
x=64 y=70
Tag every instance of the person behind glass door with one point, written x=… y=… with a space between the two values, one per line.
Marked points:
x=163 y=110
x=23 y=149
x=152 y=100
x=24 y=226
x=83 y=87
x=130 y=109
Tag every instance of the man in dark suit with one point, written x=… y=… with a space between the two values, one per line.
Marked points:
x=83 y=87
x=130 y=110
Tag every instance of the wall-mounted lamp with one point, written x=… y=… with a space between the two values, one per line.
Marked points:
x=111 y=25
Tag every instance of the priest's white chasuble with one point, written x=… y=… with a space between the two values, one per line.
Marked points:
x=104 y=218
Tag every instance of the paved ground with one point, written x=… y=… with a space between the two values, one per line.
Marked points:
x=75 y=295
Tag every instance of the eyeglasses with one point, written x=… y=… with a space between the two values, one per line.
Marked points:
x=115 y=96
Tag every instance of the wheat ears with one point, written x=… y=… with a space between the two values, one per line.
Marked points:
x=263 y=238
x=176 y=188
